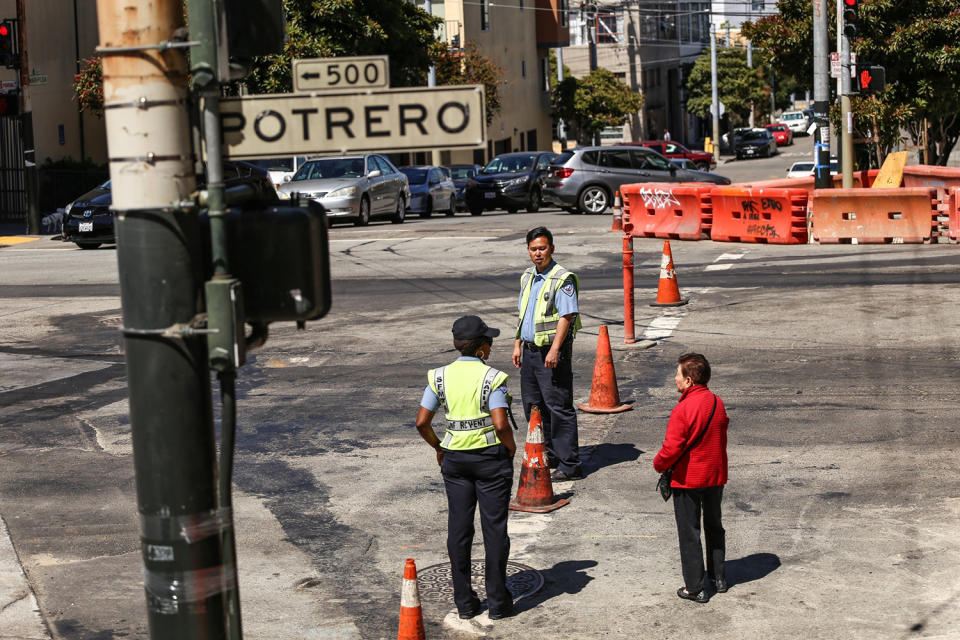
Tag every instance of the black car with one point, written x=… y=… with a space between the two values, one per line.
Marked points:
x=755 y=143
x=88 y=220
x=461 y=174
x=511 y=181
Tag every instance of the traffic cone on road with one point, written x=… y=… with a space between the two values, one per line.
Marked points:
x=668 y=291
x=535 y=490
x=617 y=214
x=604 y=394
x=411 y=615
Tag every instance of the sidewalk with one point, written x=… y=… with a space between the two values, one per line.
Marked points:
x=19 y=613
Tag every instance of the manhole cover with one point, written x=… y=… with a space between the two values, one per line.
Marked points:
x=436 y=584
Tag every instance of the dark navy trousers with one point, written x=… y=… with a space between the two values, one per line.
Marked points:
x=688 y=507
x=484 y=477
x=552 y=391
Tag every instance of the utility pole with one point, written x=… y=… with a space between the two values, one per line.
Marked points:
x=846 y=115
x=561 y=126
x=431 y=78
x=821 y=96
x=591 y=14
x=161 y=285
x=750 y=66
x=31 y=177
x=714 y=91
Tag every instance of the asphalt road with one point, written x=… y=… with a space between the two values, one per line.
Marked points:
x=837 y=364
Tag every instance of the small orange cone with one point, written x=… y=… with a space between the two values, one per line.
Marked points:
x=617 y=214
x=668 y=291
x=535 y=490
x=604 y=394
x=411 y=615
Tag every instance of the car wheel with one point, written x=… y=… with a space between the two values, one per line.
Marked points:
x=452 y=210
x=401 y=212
x=364 y=218
x=594 y=199
x=428 y=209
x=535 y=201
x=703 y=166
x=476 y=211
x=88 y=245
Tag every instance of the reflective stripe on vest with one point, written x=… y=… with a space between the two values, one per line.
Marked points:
x=464 y=388
x=546 y=318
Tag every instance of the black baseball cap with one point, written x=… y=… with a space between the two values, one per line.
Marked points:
x=470 y=327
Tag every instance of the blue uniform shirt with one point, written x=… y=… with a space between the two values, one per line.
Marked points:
x=565 y=300
x=498 y=397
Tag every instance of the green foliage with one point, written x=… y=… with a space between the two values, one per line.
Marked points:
x=88 y=86
x=917 y=41
x=467 y=66
x=594 y=102
x=325 y=28
x=737 y=85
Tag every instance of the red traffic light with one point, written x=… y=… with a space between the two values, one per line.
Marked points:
x=4 y=30
x=850 y=3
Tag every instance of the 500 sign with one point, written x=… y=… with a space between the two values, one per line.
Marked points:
x=331 y=74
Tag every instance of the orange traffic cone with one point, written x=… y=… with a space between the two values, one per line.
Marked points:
x=668 y=291
x=617 y=214
x=411 y=615
x=604 y=395
x=535 y=491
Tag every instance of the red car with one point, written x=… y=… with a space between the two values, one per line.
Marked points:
x=781 y=133
x=704 y=161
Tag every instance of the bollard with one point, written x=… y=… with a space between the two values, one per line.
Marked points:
x=629 y=336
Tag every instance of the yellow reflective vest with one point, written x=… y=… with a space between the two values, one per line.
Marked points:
x=545 y=313
x=464 y=388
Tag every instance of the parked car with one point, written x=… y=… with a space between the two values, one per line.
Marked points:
x=462 y=174
x=804 y=169
x=704 y=161
x=585 y=179
x=781 y=133
x=280 y=169
x=796 y=120
x=755 y=143
x=725 y=144
x=430 y=190
x=88 y=220
x=511 y=181
x=358 y=187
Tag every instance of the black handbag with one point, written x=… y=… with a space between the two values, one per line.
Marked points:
x=663 y=484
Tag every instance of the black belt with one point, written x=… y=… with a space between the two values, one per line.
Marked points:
x=532 y=347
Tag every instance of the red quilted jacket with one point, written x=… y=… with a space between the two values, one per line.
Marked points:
x=706 y=464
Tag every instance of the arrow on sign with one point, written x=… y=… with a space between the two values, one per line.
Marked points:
x=865 y=79
x=310 y=76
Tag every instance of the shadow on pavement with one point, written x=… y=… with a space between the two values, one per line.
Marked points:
x=564 y=577
x=606 y=454
x=750 y=568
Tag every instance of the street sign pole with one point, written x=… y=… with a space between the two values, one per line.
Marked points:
x=715 y=100
x=846 y=114
x=821 y=95
x=159 y=259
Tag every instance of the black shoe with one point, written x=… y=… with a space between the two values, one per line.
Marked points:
x=503 y=613
x=699 y=596
x=721 y=585
x=560 y=476
x=473 y=613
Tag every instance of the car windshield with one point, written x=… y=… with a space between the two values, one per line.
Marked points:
x=802 y=166
x=777 y=127
x=415 y=176
x=105 y=186
x=460 y=173
x=753 y=135
x=792 y=116
x=510 y=164
x=330 y=168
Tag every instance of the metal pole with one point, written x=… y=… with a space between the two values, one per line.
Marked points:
x=159 y=258
x=561 y=126
x=715 y=94
x=592 y=32
x=629 y=328
x=750 y=66
x=846 y=115
x=31 y=177
x=431 y=77
x=821 y=96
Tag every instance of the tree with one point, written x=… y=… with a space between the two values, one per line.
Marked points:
x=88 y=86
x=737 y=85
x=324 y=28
x=467 y=66
x=917 y=43
x=594 y=102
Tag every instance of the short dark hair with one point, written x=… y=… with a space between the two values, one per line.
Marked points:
x=695 y=367
x=469 y=347
x=536 y=232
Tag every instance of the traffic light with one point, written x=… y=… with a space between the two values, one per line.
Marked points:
x=9 y=104
x=871 y=79
x=8 y=50
x=851 y=15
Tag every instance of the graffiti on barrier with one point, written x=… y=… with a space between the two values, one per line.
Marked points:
x=765 y=204
x=658 y=198
x=765 y=230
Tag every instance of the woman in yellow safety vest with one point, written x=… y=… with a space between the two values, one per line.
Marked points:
x=476 y=460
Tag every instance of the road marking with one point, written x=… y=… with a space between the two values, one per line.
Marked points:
x=663 y=326
x=726 y=265
x=718 y=267
x=19 y=612
x=12 y=240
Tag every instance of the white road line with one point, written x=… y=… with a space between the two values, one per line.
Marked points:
x=726 y=265
x=663 y=326
x=729 y=256
x=718 y=267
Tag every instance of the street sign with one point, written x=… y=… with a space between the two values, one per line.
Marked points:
x=341 y=74
x=296 y=124
x=835 y=64
x=871 y=79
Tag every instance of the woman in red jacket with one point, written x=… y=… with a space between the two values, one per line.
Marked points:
x=699 y=474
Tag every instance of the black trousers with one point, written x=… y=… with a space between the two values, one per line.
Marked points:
x=552 y=391
x=483 y=477
x=687 y=507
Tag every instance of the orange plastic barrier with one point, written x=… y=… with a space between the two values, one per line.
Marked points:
x=953 y=226
x=925 y=175
x=873 y=216
x=806 y=182
x=775 y=216
x=667 y=210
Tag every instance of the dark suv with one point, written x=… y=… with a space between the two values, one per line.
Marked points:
x=511 y=181
x=88 y=220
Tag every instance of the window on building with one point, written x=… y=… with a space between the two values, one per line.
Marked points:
x=523 y=68
x=607 y=28
x=484 y=15
x=545 y=73
x=521 y=4
x=758 y=5
x=563 y=9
